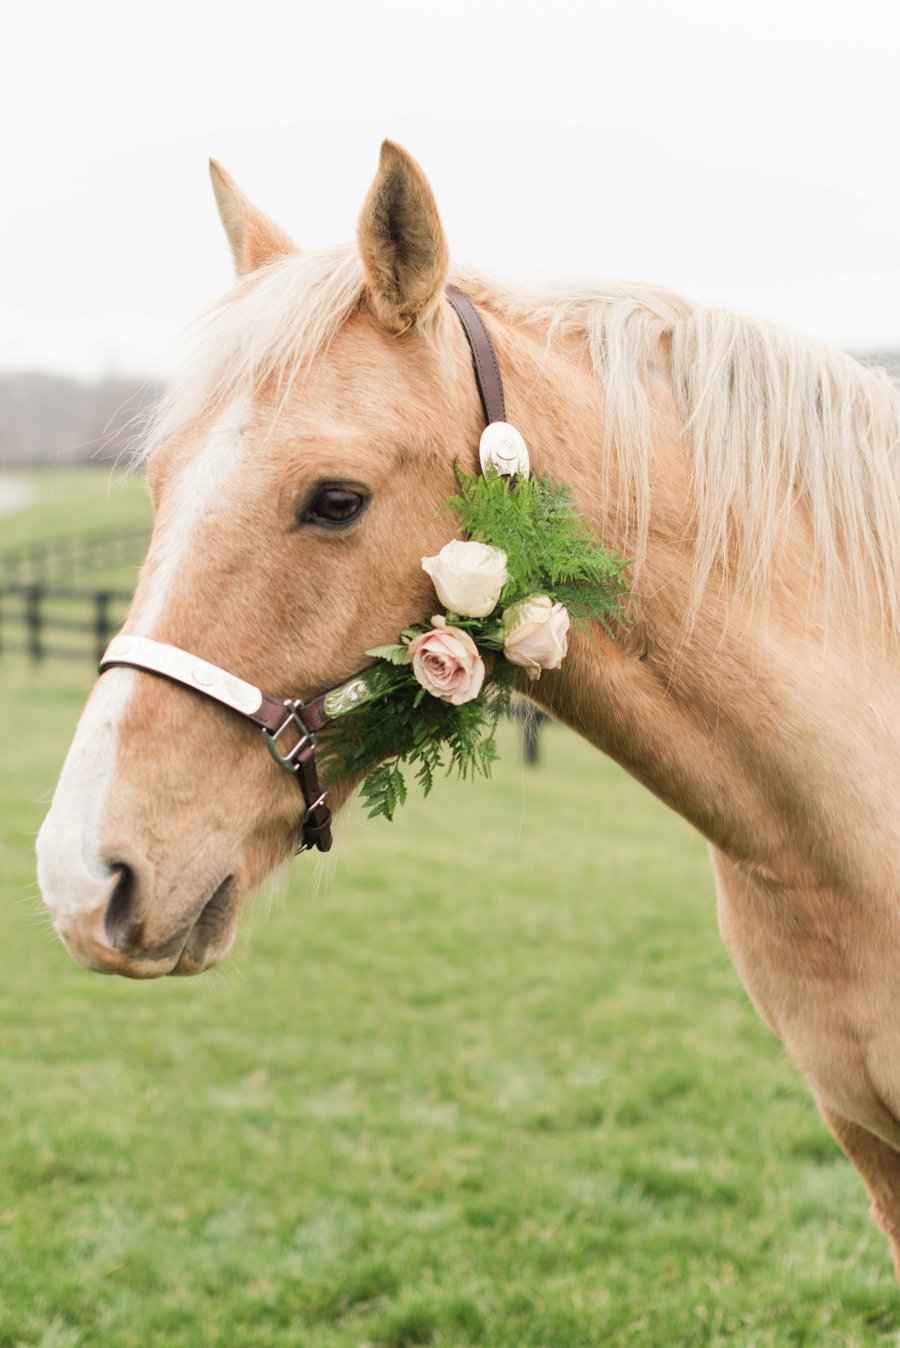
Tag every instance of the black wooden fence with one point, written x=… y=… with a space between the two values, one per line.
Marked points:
x=40 y=621
x=43 y=614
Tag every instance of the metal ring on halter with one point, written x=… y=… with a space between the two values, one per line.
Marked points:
x=306 y=738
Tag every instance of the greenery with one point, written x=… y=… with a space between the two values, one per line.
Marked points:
x=548 y=551
x=483 y=1079
x=548 y=548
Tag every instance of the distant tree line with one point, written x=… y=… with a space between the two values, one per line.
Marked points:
x=50 y=420
x=890 y=360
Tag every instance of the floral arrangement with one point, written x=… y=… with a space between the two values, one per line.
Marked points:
x=526 y=573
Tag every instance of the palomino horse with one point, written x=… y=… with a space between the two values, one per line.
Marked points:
x=754 y=477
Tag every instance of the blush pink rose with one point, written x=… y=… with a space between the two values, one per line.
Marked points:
x=446 y=663
x=536 y=634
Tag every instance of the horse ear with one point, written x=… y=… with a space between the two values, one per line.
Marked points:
x=254 y=238
x=402 y=242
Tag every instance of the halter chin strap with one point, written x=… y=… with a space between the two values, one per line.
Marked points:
x=291 y=717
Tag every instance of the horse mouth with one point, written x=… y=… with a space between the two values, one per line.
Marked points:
x=210 y=936
x=200 y=942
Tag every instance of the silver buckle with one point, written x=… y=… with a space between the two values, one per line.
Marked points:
x=303 y=845
x=306 y=737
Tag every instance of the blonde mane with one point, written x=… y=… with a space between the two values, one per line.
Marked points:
x=774 y=423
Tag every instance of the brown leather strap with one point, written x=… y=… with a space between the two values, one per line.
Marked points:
x=271 y=714
x=484 y=358
x=316 y=831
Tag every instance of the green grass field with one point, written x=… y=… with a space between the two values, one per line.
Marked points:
x=487 y=1078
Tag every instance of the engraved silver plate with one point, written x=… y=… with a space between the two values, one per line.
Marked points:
x=174 y=663
x=502 y=445
x=344 y=699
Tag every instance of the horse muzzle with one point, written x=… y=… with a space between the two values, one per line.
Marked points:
x=119 y=929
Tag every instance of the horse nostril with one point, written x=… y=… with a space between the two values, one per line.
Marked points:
x=121 y=929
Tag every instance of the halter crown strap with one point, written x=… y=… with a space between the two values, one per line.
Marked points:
x=484 y=357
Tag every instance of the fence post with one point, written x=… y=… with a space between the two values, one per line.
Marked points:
x=530 y=727
x=33 y=596
x=101 y=621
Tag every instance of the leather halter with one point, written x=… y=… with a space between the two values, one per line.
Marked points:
x=278 y=717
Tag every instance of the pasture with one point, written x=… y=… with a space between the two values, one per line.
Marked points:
x=484 y=1078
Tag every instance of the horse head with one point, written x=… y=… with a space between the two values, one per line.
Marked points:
x=297 y=472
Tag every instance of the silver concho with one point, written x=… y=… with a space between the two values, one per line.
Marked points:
x=502 y=445
x=345 y=698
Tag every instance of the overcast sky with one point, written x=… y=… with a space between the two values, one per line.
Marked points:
x=744 y=154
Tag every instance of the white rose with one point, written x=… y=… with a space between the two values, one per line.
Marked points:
x=536 y=634
x=468 y=577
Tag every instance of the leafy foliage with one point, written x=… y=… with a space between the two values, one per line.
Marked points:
x=548 y=551
x=547 y=544
x=397 y=654
x=407 y=727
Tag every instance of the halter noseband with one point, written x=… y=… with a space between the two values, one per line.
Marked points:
x=303 y=721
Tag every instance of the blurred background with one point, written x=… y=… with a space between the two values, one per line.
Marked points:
x=488 y=1077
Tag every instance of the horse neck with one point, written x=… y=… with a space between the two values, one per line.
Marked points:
x=752 y=721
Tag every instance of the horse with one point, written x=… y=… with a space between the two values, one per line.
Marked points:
x=752 y=475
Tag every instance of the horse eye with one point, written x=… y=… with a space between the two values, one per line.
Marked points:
x=335 y=506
